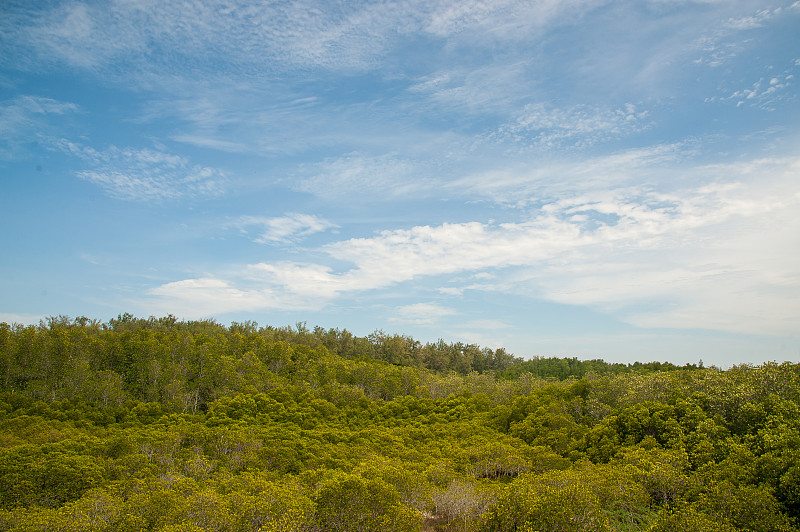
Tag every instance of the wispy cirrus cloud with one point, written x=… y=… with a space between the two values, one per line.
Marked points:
x=21 y=108
x=241 y=118
x=246 y=34
x=479 y=90
x=581 y=125
x=144 y=174
x=502 y=20
x=160 y=43
x=760 y=17
x=764 y=93
x=421 y=313
x=284 y=229
x=526 y=183
x=229 y=54
x=24 y=118
x=360 y=174
x=250 y=37
x=721 y=43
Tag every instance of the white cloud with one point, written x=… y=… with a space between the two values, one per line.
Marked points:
x=721 y=259
x=158 y=44
x=24 y=118
x=71 y=32
x=451 y=290
x=208 y=296
x=580 y=125
x=493 y=87
x=145 y=174
x=213 y=143
x=239 y=116
x=265 y=35
x=523 y=184
x=749 y=22
x=721 y=43
x=246 y=36
x=719 y=256
x=362 y=175
x=421 y=313
x=305 y=281
x=500 y=20
x=284 y=229
x=764 y=93
x=170 y=44
x=23 y=319
x=40 y=105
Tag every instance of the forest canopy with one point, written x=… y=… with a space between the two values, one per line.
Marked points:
x=162 y=424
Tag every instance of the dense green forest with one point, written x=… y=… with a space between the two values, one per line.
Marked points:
x=168 y=425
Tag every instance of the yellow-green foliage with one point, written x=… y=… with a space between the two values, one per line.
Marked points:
x=548 y=502
x=162 y=425
x=353 y=503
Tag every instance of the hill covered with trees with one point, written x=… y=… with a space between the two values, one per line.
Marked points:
x=167 y=425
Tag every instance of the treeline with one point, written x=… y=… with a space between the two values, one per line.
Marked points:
x=57 y=354
x=166 y=425
x=446 y=357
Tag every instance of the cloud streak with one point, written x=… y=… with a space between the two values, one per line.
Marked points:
x=284 y=229
x=144 y=174
x=24 y=118
x=428 y=314
x=579 y=126
x=356 y=174
x=764 y=93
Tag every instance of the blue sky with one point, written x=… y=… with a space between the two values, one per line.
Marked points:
x=590 y=178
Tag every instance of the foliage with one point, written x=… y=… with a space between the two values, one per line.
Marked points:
x=161 y=424
x=551 y=502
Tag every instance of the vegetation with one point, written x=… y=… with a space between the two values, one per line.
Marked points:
x=166 y=425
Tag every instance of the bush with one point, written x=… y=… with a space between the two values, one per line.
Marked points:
x=546 y=503
x=351 y=503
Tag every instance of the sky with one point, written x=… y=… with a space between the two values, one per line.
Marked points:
x=615 y=179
